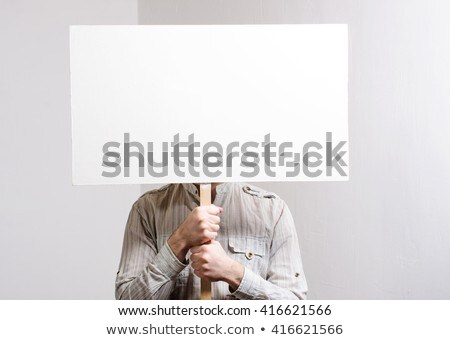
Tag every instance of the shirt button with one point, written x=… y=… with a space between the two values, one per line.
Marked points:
x=249 y=255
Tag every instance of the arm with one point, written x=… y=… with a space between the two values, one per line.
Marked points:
x=145 y=273
x=285 y=278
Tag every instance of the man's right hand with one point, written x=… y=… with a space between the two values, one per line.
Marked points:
x=199 y=227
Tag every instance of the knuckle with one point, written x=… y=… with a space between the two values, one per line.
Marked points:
x=199 y=213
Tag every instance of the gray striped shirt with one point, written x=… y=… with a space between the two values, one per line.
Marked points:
x=256 y=229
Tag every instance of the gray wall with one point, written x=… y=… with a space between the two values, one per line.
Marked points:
x=56 y=241
x=386 y=233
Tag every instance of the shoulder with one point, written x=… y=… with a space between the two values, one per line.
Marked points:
x=253 y=192
x=258 y=192
x=260 y=199
x=258 y=208
x=151 y=194
x=155 y=201
x=151 y=198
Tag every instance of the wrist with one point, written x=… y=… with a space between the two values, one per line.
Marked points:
x=235 y=274
x=178 y=245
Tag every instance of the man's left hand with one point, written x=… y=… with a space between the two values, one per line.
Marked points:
x=212 y=263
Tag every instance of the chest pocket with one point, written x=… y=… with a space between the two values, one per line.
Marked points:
x=250 y=251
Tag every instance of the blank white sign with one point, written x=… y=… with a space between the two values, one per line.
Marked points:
x=228 y=88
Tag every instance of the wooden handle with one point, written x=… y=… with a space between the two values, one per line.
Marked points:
x=205 y=199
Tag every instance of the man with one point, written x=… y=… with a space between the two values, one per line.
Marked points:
x=245 y=242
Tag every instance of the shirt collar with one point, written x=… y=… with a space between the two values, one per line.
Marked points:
x=190 y=187
x=220 y=189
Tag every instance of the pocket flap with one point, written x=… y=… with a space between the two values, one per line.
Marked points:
x=246 y=245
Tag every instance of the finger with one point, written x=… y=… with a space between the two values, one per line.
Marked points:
x=216 y=244
x=213 y=227
x=198 y=249
x=207 y=242
x=213 y=209
x=194 y=257
x=210 y=235
x=195 y=249
x=213 y=219
x=199 y=274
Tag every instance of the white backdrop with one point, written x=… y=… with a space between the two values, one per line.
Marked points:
x=385 y=233
x=56 y=241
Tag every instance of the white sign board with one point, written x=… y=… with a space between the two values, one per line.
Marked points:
x=209 y=103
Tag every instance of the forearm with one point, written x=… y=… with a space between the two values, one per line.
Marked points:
x=149 y=285
x=155 y=282
x=254 y=287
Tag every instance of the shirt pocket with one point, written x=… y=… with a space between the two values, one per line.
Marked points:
x=250 y=251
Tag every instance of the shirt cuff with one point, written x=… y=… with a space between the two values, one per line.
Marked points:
x=249 y=287
x=168 y=263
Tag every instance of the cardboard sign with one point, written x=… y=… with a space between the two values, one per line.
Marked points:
x=201 y=103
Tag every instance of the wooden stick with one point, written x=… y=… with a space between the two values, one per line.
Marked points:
x=205 y=199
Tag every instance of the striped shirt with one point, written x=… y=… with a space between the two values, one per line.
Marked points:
x=256 y=229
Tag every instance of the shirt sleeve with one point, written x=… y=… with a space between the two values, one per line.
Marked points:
x=144 y=272
x=285 y=278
